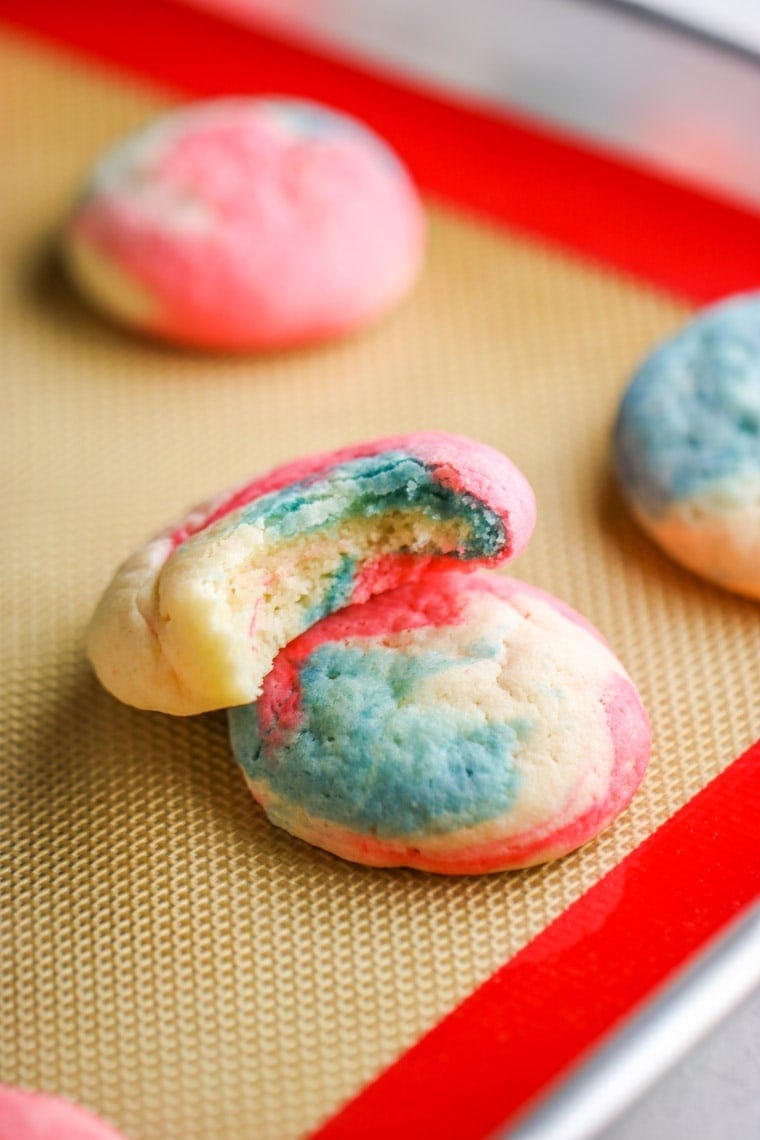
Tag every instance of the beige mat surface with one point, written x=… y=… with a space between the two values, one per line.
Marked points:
x=167 y=957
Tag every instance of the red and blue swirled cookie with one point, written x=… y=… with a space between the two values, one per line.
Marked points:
x=687 y=445
x=391 y=699
x=462 y=723
x=194 y=619
x=246 y=223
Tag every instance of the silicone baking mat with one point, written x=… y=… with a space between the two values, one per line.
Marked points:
x=171 y=960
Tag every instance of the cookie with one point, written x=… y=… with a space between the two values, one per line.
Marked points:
x=462 y=723
x=194 y=619
x=28 y=1115
x=687 y=445
x=247 y=223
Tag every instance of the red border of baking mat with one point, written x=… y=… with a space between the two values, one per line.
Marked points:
x=559 y=996
x=546 y=1007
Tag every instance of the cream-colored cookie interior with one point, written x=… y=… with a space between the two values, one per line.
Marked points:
x=200 y=630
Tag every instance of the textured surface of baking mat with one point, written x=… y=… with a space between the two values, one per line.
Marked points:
x=168 y=957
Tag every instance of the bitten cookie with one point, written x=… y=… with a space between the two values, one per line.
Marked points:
x=28 y=1115
x=195 y=618
x=462 y=723
x=245 y=223
x=687 y=445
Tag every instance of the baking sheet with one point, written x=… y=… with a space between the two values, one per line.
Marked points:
x=175 y=962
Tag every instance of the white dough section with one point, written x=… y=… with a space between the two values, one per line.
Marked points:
x=715 y=533
x=101 y=279
x=122 y=639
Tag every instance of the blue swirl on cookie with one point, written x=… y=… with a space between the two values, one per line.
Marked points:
x=691 y=416
x=378 y=761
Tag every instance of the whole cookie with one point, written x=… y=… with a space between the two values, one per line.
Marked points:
x=193 y=620
x=28 y=1115
x=687 y=445
x=462 y=723
x=244 y=223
